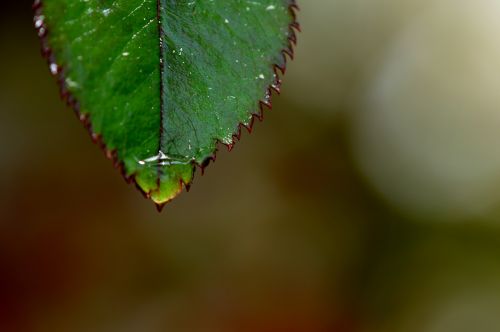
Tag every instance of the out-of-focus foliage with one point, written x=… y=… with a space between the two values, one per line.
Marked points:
x=432 y=109
x=355 y=223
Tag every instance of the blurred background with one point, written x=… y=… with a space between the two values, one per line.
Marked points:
x=367 y=201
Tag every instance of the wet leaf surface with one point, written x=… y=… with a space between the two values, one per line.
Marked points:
x=159 y=83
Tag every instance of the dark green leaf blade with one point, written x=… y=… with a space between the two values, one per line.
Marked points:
x=160 y=82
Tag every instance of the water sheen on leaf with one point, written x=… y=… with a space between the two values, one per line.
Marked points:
x=160 y=82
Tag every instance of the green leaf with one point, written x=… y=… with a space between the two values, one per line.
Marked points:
x=159 y=83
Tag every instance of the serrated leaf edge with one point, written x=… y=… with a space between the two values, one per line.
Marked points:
x=58 y=72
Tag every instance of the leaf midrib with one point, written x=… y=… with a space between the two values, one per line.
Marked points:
x=159 y=8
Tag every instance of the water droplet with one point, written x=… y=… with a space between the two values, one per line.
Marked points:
x=54 y=68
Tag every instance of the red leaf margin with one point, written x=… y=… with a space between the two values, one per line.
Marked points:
x=59 y=73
